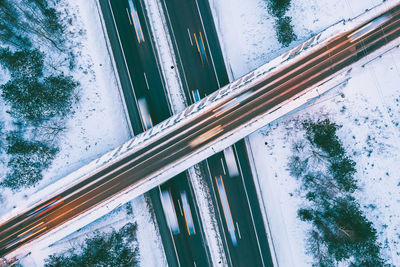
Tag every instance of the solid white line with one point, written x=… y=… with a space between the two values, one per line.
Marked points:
x=248 y=202
x=177 y=49
x=156 y=58
x=172 y=237
x=129 y=16
x=223 y=167
x=208 y=45
x=190 y=37
x=123 y=55
x=219 y=212
x=145 y=78
x=238 y=229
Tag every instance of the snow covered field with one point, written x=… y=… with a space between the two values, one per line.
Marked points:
x=367 y=107
x=150 y=251
x=249 y=41
x=98 y=125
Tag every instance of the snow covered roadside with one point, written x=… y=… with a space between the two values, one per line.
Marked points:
x=99 y=125
x=150 y=251
x=368 y=107
x=271 y=145
x=166 y=55
x=249 y=40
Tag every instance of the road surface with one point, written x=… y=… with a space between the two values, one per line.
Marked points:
x=192 y=135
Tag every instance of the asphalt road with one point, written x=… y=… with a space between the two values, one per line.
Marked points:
x=192 y=31
x=186 y=19
x=192 y=135
x=189 y=241
x=129 y=34
x=249 y=246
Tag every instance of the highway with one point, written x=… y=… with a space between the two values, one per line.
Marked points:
x=126 y=21
x=206 y=127
x=203 y=69
x=232 y=183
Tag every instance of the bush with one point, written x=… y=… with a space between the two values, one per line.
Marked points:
x=31 y=96
x=323 y=135
x=28 y=159
x=284 y=30
x=114 y=249
x=23 y=63
x=283 y=24
x=340 y=230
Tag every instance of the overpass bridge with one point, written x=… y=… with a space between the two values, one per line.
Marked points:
x=206 y=127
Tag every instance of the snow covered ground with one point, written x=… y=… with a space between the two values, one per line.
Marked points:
x=150 y=248
x=368 y=107
x=247 y=33
x=99 y=125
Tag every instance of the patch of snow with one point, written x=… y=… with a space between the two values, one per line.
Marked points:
x=166 y=55
x=247 y=34
x=99 y=123
x=207 y=215
x=368 y=107
x=249 y=41
x=148 y=240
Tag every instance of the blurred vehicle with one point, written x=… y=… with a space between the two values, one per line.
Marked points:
x=188 y=214
x=26 y=234
x=144 y=113
x=136 y=22
x=47 y=207
x=357 y=34
x=196 y=95
x=198 y=38
x=231 y=103
x=169 y=210
x=231 y=162
x=226 y=209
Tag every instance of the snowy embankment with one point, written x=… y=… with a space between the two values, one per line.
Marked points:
x=150 y=249
x=367 y=106
x=99 y=125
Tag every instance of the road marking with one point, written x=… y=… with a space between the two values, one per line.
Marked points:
x=180 y=207
x=237 y=227
x=123 y=55
x=248 y=202
x=223 y=167
x=129 y=16
x=228 y=253
x=145 y=78
x=205 y=35
x=177 y=50
x=172 y=237
x=190 y=37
